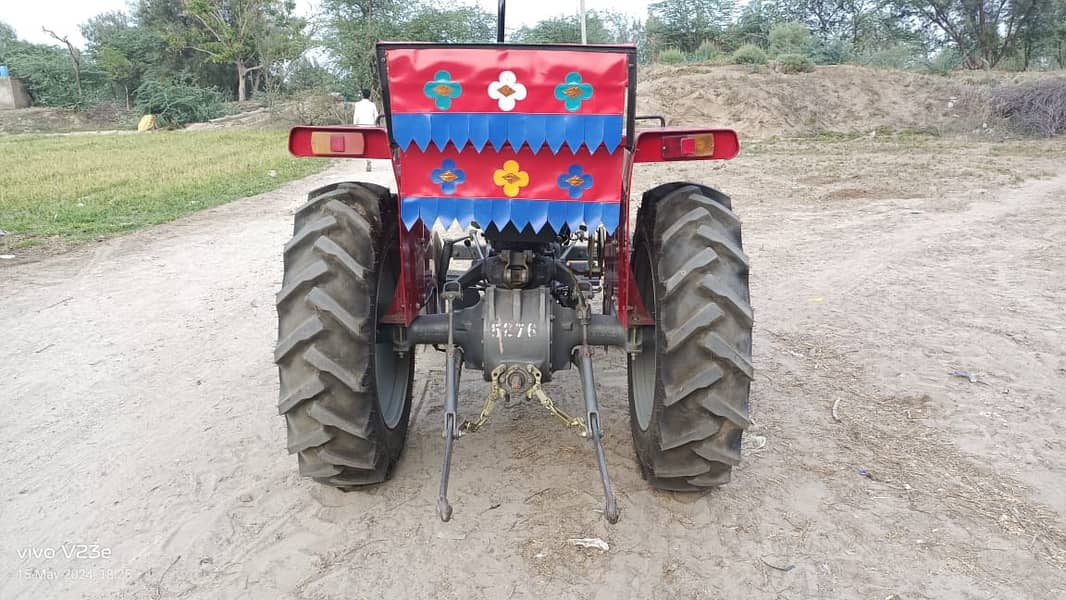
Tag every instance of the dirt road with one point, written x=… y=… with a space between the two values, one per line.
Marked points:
x=139 y=413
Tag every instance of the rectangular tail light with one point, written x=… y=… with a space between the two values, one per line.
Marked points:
x=339 y=142
x=657 y=145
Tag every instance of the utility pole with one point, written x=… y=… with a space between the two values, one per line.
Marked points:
x=584 y=31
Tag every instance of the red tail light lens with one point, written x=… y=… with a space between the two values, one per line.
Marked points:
x=328 y=143
x=688 y=146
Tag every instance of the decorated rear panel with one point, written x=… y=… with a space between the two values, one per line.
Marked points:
x=507 y=135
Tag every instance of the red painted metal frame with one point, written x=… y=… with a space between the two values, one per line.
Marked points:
x=620 y=295
x=648 y=148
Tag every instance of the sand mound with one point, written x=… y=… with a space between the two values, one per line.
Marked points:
x=832 y=98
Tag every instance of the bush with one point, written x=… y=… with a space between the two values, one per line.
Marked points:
x=837 y=51
x=896 y=57
x=320 y=107
x=944 y=62
x=707 y=52
x=307 y=74
x=1038 y=108
x=178 y=103
x=671 y=56
x=794 y=63
x=790 y=38
x=749 y=55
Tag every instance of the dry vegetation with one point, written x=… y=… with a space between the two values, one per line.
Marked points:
x=1036 y=108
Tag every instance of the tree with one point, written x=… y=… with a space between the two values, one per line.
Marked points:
x=75 y=58
x=685 y=24
x=125 y=52
x=178 y=63
x=834 y=18
x=983 y=31
x=753 y=24
x=790 y=38
x=307 y=74
x=7 y=33
x=233 y=31
x=46 y=72
x=624 y=29
x=565 y=30
x=277 y=47
x=1043 y=40
x=461 y=24
x=98 y=29
x=353 y=27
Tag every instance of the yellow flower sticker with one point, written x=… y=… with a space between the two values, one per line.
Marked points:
x=511 y=178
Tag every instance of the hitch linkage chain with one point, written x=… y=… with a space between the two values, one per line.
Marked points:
x=495 y=394
x=536 y=391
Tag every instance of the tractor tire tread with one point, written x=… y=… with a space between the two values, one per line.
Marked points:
x=324 y=352
x=703 y=327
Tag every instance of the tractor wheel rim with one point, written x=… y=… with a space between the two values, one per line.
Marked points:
x=645 y=364
x=390 y=368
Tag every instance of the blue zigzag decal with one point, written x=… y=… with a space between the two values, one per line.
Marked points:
x=503 y=211
x=478 y=129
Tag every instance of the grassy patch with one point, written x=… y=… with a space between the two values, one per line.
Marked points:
x=90 y=186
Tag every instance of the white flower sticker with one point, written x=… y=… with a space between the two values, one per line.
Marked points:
x=507 y=91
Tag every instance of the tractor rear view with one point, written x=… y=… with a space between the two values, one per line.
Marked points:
x=510 y=246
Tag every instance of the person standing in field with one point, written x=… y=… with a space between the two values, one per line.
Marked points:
x=366 y=115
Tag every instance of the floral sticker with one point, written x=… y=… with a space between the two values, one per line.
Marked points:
x=575 y=181
x=510 y=178
x=507 y=91
x=447 y=176
x=573 y=92
x=442 y=90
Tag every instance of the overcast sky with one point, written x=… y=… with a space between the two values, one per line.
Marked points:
x=64 y=16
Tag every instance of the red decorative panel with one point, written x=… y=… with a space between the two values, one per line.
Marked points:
x=475 y=80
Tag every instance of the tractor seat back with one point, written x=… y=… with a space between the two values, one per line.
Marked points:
x=509 y=135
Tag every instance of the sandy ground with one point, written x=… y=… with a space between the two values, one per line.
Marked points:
x=139 y=412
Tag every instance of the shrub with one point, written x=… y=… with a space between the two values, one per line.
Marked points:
x=178 y=103
x=897 y=57
x=794 y=63
x=944 y=62
x=837 y=51
x=790 y=38
x=1038 y=108
x=749 y=55
x=671 y=56
x=707 y=52
x=320 y=107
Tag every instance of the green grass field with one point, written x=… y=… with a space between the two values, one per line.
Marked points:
x=75 y=188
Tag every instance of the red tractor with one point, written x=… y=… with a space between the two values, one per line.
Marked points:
x=526 y=152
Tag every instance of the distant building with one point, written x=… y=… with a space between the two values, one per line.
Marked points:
x=12 y=94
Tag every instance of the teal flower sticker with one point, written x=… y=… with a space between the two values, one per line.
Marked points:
x=442 y=90
x=573 y=92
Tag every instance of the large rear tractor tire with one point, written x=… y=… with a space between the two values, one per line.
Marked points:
x=345 y=392
x=688 y=386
